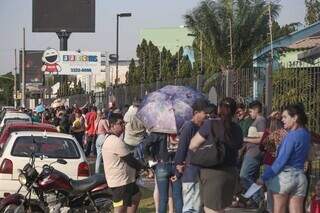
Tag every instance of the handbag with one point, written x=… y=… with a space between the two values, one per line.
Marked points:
x=212 y=152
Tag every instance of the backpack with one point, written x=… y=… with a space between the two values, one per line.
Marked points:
x=212 y=152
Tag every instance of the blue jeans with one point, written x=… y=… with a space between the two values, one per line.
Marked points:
x=91 y=144
x=163 y=173
x=99 y=142
x=249 y=174
x=191 y=197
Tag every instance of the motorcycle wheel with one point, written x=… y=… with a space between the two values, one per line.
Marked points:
x=9 y=209
x=103 y=202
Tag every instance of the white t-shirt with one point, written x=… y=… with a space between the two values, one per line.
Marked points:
x=117 y=172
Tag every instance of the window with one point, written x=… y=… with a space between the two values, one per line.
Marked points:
x=50 y=147
x=3 y=146
x=13 y=120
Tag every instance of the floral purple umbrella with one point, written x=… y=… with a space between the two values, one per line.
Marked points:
x=166 y=109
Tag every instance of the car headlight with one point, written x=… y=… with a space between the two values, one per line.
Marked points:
x=22 y=179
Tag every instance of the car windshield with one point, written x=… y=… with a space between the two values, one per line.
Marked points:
x=12 y=120
x=49 y=147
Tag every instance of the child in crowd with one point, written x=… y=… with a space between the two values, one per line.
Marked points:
x=315 y=200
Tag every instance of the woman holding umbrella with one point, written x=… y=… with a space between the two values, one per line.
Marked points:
x=163 y=113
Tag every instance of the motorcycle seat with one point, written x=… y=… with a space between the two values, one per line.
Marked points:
x=85 y=185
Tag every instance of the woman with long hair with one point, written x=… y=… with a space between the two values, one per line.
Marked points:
x=286 y=178
x=217 y=184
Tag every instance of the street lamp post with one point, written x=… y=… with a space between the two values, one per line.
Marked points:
x=117 y=42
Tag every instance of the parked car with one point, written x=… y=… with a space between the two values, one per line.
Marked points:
x=19 y=147
x=23 y=126
x=14 y=117
x=7 y=107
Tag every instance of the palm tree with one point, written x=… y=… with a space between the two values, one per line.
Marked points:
x=214 y=21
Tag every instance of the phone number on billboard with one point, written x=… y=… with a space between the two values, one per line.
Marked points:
x=81 y=70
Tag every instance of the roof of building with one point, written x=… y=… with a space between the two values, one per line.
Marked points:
x=286 y=41
x=170 y=37
x=306 y=43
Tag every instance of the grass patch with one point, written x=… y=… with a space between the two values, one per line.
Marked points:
x=146 y=204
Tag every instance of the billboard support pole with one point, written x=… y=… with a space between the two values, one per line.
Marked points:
x=63 y=36
x=23 y=87
x=15 y=79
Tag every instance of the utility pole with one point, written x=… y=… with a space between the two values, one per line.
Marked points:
x=107 y=71
x=268 y=92
x=23 y=95
x=160 y=69
x=15 y=79
x=200 y=75
x=231 y=42
x=228 y=83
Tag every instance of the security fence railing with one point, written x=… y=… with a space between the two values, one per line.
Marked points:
x=289 y=85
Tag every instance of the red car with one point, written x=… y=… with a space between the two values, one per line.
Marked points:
x=24 y=126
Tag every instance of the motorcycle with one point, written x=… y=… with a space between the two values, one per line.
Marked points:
x=55 y=192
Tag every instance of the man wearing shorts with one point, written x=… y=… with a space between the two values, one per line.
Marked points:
x=120 y=169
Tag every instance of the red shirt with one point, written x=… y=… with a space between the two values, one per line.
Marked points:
x=91 y=117
x=315 y=205
x=51 y=67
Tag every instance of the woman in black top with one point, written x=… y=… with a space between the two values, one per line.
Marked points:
x=217 y=184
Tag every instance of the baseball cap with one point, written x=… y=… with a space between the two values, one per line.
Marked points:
x=203 y=105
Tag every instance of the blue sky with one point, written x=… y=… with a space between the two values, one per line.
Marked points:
x=16 y=14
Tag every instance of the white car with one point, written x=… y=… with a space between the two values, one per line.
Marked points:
x=19 y=146
x=14 y=116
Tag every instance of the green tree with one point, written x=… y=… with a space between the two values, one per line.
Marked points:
x=285 y=30
x=101 y=85
x=132 y=77
x=147 y=68
x=167 y=65
x=6 y=89
x=312 y=11
x=214 y=21
x=293 y=86
x=78 y=88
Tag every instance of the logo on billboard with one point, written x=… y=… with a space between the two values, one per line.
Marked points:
x=71 y=62
x=51 y=59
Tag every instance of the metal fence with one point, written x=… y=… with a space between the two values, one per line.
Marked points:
x=290 y=85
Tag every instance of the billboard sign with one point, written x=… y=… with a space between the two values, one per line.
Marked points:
x=67 y=15
x=33 y=74
x=70 y=62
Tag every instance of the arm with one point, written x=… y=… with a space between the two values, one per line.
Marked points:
x=182 y=151
x=284 y=154
x=148 y=142
x=134 y=163
x=196 y=142
x=184 y=142
x=105 y=125
x=256 y=140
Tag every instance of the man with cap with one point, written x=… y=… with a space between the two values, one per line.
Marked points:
x=190 y=173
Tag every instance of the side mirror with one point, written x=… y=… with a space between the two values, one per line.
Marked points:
x=61 y=161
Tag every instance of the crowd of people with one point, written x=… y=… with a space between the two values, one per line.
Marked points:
x=240 y=139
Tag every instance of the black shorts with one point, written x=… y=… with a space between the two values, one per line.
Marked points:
x=122 y=195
